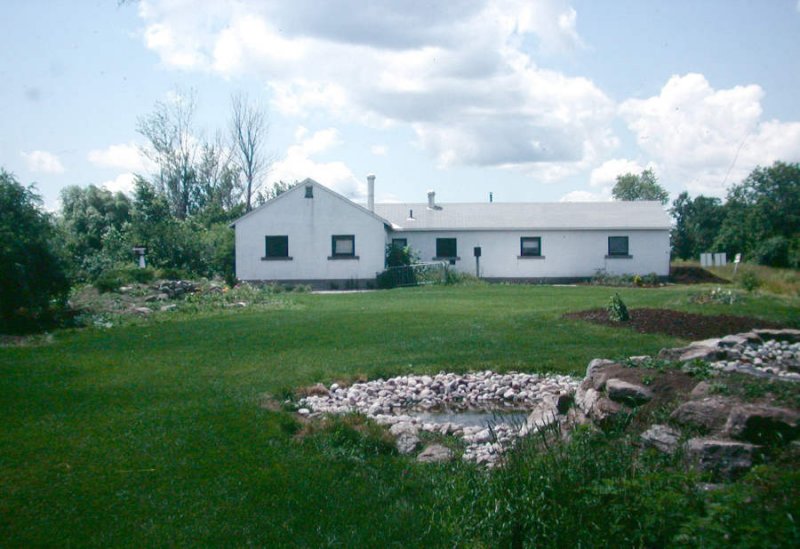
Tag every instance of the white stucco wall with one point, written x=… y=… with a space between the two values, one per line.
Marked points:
x=566 y=254
x=309 y=223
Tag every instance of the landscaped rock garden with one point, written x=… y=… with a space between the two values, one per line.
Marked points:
x=687 y=400
x=398 y=403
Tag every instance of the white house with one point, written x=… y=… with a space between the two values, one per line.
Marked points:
x=312 y=235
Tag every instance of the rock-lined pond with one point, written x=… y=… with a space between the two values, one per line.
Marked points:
x=487 y=410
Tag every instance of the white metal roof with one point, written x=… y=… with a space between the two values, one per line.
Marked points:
x=620 y=215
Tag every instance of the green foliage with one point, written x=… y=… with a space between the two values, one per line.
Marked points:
x=591 y=491
x=639 y=187
x=93 y=223
x=697 y=223
x=759 y=511
x=774 y=252
x=32 y=279
x=604 y=278
x=749 y=280
x=763 y=206
x=617 y=310
x=399 y=256
x=112 y=279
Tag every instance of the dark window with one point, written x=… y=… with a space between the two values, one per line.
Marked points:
x=446 y=247
x=343 y=245
x=309 y=191
x=618 y=245
x=276 y=246
x=530 y=246
x=399 y=243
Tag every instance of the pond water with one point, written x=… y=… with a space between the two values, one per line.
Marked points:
x=475 y=418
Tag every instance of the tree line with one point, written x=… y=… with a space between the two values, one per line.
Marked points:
x=759 y=218
x=180 y=213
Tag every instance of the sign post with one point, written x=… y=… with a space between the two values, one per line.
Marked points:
x=736 y=260
x=477 y=252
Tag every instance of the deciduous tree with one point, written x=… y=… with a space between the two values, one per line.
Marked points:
x=639 y=187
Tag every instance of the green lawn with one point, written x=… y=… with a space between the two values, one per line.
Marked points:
x=152 y=434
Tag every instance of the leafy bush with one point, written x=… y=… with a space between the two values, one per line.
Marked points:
x=32 y=280
x=112 y=279
x=749 y=281
x=773 y=252
x=399 y=256
x=617 y=310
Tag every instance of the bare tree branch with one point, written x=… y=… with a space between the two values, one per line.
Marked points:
x=249 y=130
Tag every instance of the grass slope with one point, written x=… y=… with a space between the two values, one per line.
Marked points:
x=152 y=434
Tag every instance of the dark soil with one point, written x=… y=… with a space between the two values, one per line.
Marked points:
x=693 y=275
x=676 y=323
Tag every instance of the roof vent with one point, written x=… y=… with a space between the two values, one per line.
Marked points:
x=410 y=215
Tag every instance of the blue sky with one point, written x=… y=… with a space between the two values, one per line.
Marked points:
x=541 y=100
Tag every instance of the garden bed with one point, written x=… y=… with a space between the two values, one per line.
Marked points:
x=676 y=323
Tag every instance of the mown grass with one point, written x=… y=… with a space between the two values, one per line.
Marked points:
x=152 y=434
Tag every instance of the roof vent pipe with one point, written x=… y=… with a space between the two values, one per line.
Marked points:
x=371 y=192
x=432 y=200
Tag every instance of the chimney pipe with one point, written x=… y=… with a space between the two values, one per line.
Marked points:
x=432 y=200
x=491 y=198
x=371 y=192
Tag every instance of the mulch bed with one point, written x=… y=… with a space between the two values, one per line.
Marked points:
x=676 y=323
x=682 y=274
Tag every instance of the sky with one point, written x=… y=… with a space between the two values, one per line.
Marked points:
x=531 y=100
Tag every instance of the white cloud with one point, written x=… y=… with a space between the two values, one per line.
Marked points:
x=298 y=164
x=455 y=71
x=121 y=183
x=42 y=162
x=127 y=157
x=379 y=150
x=586 y=196
x=606 y=174
x=708 y=139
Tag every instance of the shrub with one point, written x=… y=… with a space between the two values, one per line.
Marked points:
x=171 y=273
x=773 y=252
x=617 y=310
x=749 y=281
x=112 y=279
x=32 y=279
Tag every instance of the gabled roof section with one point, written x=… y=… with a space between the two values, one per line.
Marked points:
x=300 y=187
x=617 y=215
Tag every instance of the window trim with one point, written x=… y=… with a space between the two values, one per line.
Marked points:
x=523 y=255
x=309 y=191
x=438 y=257
x=351 y=238
x=268 y=257
x=618 y=255
x=396 y=240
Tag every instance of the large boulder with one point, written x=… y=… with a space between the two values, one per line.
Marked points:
x=435 y=453
x=762 y=424
x=725 y=458
x=661 y=437
x=709 y=413
x=407 y=436
x=786 y=334
x=628 y=393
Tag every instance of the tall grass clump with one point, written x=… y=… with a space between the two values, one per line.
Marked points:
x=593 y=490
